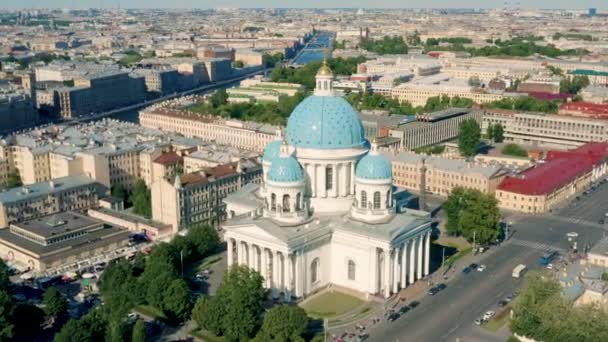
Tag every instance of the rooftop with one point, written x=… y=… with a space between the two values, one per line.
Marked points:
x=56 y=224
x=36 y=190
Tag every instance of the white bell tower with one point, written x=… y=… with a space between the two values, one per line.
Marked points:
x=324 y=80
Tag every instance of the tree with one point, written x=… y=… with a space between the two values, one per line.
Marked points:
x=573 y=85
x=394 y=45
x=6 y=325
x=4 y=276
x=473 y=215
x=119 y=191
x=490 y=132
x=204 y=239
x=176 y=301
x=142 y=201
x=498 y=133
x=90 y=328
x=233 y=312
x=55 y=304
x=139 y=332
x=514 y=150
x=284 y=323
x=239 y=64
x=469 y=136
x=219 y=97
x=13 y=179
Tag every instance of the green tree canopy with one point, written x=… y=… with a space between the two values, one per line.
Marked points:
x=27 y=320
x=573 y=85
x=218 y=98
x=204 y=239
x=498 y=133
x=388 y=45
x=139 y=332
x=55 y=304
x=473 y=215
x=514 y=150
x=469 y=136
x=6 y=307
x=176 y=301
x=284 y=323
x=142 y=199
x=91 y=328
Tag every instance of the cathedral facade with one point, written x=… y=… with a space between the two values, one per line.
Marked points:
x=326 y=212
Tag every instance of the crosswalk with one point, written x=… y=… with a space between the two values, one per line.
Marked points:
x=576 y=221
x=537 y=245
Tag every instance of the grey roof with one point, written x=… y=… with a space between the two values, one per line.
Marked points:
x=31 y=191
x=56 y=224
x=451 y=165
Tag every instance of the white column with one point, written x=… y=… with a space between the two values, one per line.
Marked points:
x=373 y=280
x=321 y=182
x=412 y=261
x=395 y=270
x=251 y=260
x=420 y=248
x=276 y=283
x=264 y=267
x=344 y=187
x=289 y=284
x=299 y=276
x=334 y=180
x=239 y=253
x=404 y=265
x=229 y=247
x=387 y=273
x=352 y=178
x=427 y=253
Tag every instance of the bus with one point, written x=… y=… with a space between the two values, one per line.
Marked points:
x=547 y=258
x=519 y=270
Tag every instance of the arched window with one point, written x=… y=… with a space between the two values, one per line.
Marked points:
x=377 y=200
x=329 y=178
x=273 y=202
x=285 y=203
x=388 y=199
x=314 y=271
x=352 y=270
x=363 y=199
x=298 y=204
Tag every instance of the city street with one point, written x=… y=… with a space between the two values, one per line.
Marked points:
x=449 y=315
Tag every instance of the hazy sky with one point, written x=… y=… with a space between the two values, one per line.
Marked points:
x=299 y=3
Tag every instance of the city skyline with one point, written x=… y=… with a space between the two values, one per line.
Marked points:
x=545 y=4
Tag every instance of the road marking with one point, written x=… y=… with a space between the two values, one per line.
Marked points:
x=575 y=220
x=536 y=245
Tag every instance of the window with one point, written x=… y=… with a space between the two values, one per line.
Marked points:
x=377 y=200
x=298 y=204
x=388 y=199
x=285 y=203
x=314 y=271
x=329 y=178
x=363 y=199
x=352 y=269
x=273 y=202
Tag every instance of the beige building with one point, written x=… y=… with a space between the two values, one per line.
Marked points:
x=58 y=240
x=559 y=177
x=433 y=128
x=46 y=198
x=442 y=175
x=193 y=198
x=245 y=135
x=546 y=129
x=417 y=94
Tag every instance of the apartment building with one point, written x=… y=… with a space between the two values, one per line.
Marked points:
x=418 y=65
x=197 y=197
x=50 y=197
x=433 y=128
x=240 y=134
x=50 y=242
x=547 y=129
x=418 y=93
x=17 y=108
x=442 y=175
x=541 y=188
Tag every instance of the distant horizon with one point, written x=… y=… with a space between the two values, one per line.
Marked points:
x=293 y=4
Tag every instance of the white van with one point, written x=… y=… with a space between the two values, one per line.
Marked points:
x=519 y=270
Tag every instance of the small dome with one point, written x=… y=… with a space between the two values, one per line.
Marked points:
x=285 y=169
x=374 y=167
x=272 y=150
x=325 y=122
x=325 y=70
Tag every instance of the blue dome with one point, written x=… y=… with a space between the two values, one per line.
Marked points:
x=272 y=150
x=285 y=169
x=374 y=167
x=325 y=122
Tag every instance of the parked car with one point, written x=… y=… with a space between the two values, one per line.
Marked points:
x=441 y=286
x=502 y=303
x=433 y=291
x=404 y=309
x=473 y=266
x=393 y=317
x=466 y=270
x=488 y=315
x=479 y=321
x=481 y=268
x=414 y=304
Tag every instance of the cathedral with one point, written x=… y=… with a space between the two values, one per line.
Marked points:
x=326 y=213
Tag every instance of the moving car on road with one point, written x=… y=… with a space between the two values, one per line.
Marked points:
x=519 y=270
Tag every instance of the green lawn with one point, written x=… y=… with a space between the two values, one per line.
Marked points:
x=498 y=321
x=205 y=336
x=150 y=311
x=330 y=304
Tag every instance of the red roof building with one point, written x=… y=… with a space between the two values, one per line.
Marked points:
x=560 y=175
x=585 y=109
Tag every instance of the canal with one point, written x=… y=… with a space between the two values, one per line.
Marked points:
x=315 y=49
